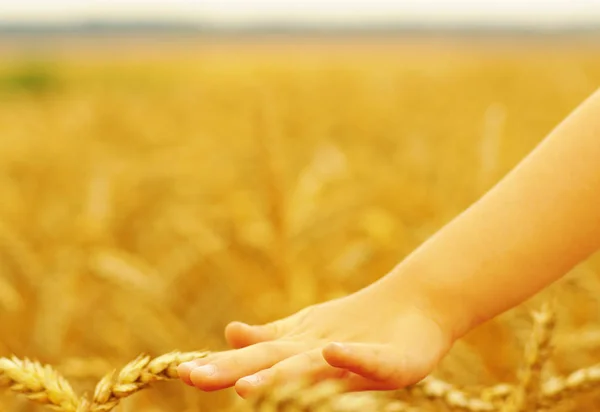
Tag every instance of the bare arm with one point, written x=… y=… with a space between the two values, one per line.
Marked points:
x=535 y=225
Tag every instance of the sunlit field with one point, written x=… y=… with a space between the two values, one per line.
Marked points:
x=152 y=191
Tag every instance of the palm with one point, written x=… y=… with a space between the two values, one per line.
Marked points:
x=382 y=347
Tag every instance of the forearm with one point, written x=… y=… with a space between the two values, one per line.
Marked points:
x=541 y=220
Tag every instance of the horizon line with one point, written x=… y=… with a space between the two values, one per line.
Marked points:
x=211 y=26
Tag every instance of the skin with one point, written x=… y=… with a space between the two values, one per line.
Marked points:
x=529 y=230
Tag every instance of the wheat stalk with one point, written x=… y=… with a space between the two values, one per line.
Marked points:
x=42 y=384
x=430 y=389
x=527 y=395
x=496 y=394
x=551 y=391
x=137 y=375
x=583 y=380
x=295 y=396
x=326 y=396
x=39 y=383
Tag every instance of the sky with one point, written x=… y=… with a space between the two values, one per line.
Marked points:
x=234 y=12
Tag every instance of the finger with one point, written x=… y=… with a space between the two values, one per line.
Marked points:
x=382 y=364
x=184 y=369
x=309 y=365
x=226 y=368
x=239 y=335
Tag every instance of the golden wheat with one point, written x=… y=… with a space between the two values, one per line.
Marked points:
x=44 y=385
x=527 y=395
x=581 y=381
x=137 y=375
x=296 y=397
x=432 y=389
x=178 y=185
x=39 y=383
x=325 y=396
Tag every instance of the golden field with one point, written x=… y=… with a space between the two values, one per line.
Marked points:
x=152 y=191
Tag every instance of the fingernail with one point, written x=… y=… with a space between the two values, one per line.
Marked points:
x=253 y=380
x=340 y=347
x=185 y=367
x=206 y=370
x=244 y=326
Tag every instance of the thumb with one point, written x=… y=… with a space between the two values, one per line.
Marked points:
x=383 y=364
x=239 y=334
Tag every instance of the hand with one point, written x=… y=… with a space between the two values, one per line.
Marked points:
x=371 y=340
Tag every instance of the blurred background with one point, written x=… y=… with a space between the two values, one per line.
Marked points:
x=169 y=166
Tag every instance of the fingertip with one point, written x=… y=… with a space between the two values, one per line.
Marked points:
x=336 y=348
x=184 y=370
x=236 y=334
x=337 y=354
x=248 y=385
x=206 y=378
x=240 y=335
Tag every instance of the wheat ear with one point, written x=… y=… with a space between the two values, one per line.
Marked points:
x=294 y=396
x=527 y=394
x=581 y=381
x=327 y=396
x=137 y=375
x=38 y=382
x=454 y=398
x=44 y=385
x=496 y=394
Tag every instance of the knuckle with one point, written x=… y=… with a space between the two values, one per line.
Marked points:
x=311 y=357
x=273 y=352
x=274 y=348
x=226 y=362
x=267 y=376
x=275 y=328
x=305 y=314
x=302 y=361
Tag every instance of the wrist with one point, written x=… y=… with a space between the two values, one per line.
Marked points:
x=417 y=286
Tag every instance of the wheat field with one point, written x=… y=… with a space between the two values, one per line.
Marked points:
x=152 y=191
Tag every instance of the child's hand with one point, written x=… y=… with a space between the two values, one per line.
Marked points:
x=370 y=340
x=529 y=230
